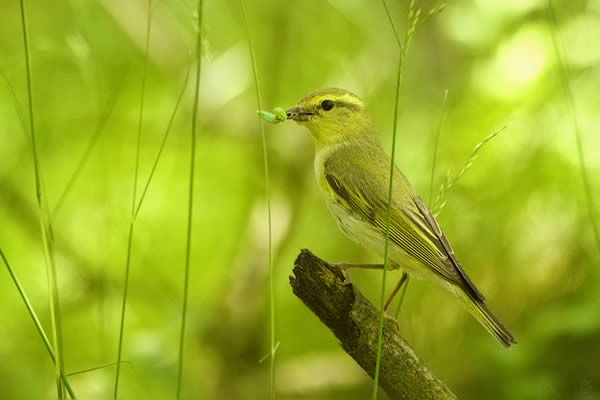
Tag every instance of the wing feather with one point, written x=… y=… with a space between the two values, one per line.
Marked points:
x=426 y=215
x=367 y=204
x=363 y=193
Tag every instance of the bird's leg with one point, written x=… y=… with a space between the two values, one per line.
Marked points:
x=345 y=266
x=401 y=282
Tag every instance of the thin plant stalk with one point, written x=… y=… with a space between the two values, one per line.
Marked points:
x=436 y=142
x=190 y=205
x=45 y=225
x=123 y=310
x=273 y=344
x=162 y=144
x=141 y=201
x=141 y=109
x=385 y=252
x=570 y=100
x=440 y=200
x=36 y=322
x=16 y=105
x=99 y=130
x=133 y=206
x=413 y=20
x=91 y=369
x=431 y=180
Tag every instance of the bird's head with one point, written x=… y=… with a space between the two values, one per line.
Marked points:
x=332 y=116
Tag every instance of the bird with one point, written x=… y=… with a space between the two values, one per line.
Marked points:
x=352 y=171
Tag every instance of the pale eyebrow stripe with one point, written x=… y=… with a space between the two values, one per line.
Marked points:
x=342 y=103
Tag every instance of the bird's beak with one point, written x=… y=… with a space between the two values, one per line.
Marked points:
x=298 y=114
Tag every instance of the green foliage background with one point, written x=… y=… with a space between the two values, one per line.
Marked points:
x=518 y=220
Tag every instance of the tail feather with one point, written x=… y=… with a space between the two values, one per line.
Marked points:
x=484 y=316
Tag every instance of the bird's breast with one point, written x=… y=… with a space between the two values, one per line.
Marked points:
x=321 y=156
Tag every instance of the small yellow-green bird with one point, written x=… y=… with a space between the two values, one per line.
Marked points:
x=352 y=170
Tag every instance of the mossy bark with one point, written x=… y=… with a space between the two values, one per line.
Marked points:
x=354 y=321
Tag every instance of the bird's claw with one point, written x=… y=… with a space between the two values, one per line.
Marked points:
x=346 y=281
x=343 y=267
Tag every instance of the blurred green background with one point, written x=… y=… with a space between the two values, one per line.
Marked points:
x=518 y=220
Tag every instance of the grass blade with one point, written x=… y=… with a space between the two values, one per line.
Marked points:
x=572 y=110
x=433 y=167
x=141 y=110
x=188 y=245
x=436 y=146
x=163 y=143
x=273 y=343
x=107 y=112
x=45 y=225
x=123 y=309
x=133 y=205
x=431 y=179
x=36 y=322
x=440 y=200
x=106 y=365
x=413 y=19
x=16 y=104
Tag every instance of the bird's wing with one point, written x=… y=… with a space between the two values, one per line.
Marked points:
x=412 y=226
x=450 y=259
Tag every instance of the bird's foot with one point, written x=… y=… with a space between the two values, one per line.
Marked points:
x=343 y=267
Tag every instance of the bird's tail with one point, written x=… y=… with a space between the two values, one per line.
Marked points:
x=479 y=310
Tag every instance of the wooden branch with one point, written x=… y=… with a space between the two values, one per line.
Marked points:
x=354 y=321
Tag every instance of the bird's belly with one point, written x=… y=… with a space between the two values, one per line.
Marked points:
x=369 y=237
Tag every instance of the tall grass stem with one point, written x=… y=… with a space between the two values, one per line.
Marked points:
x=436 y=142
x=188 y=246
x=36 y=322
x=162 y=144
x=273 y=344
x=440 y=200
x=44 y=220
x=16 y=105
x=99 y=130
x=403 y=47
x=91 y=369
x=572 y=110
x=133 y=206
x=141 y=109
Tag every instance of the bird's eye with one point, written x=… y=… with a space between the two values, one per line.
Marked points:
x=327 y=105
